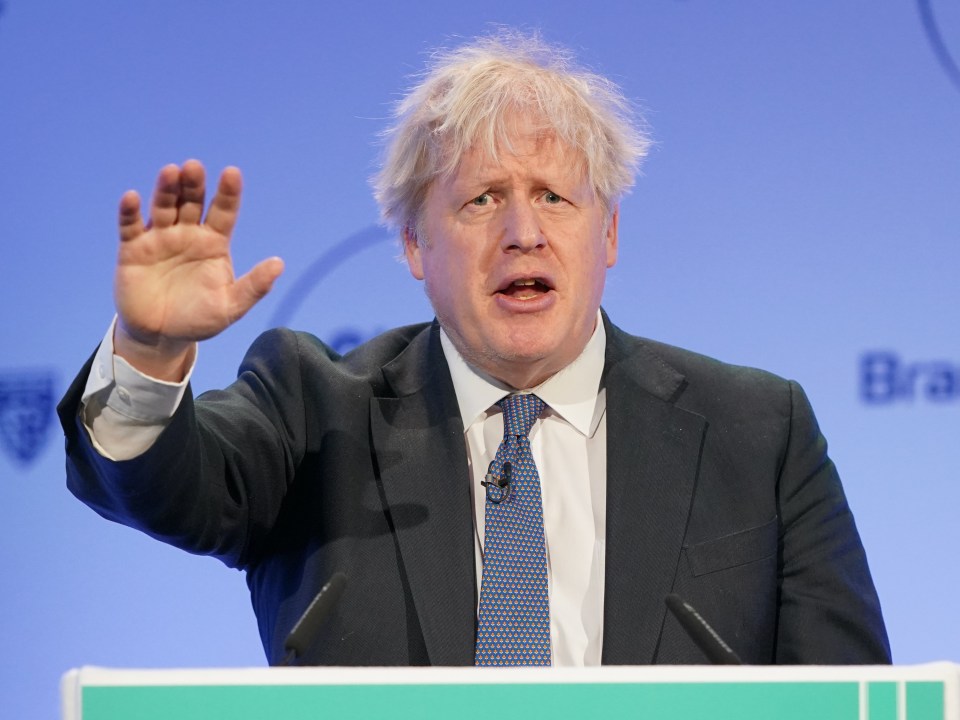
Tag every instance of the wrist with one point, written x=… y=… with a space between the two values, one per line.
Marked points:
x=161 y=358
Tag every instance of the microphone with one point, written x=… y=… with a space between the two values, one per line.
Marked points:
x=502 y=482
x=309 y=624
x=699 y=630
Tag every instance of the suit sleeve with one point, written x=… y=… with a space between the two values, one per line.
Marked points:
x=214 y=480
x=828 y=608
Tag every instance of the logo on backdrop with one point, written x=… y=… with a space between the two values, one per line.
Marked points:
x=26 y=412
x=933 y=29
x=353 y=291
x=886 y=378
x=345 y=337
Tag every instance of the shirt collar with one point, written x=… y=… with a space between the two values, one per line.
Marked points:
x=572 y=393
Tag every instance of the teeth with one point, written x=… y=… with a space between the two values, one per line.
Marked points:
x=523 y=283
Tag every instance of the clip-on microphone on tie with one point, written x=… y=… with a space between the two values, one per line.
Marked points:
x=500 y=482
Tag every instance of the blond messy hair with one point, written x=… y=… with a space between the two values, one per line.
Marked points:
x=467 y=98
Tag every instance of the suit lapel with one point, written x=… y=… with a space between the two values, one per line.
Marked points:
x=420 y=450
x=653 y=451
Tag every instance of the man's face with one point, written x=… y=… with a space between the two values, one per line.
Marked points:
x=514 y=258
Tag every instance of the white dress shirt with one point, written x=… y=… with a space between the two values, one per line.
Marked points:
x=125 y=411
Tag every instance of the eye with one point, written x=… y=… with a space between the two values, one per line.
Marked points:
x=551 y=198
x=481 y=200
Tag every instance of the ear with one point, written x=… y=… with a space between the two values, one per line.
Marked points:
x=412 y=251
x=611 y=238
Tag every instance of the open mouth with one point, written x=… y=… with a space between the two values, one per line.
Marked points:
x=525 y=289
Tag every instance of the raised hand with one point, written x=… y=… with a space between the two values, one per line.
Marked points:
x=174 y=283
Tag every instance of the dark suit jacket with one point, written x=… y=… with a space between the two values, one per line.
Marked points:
x=719 y=489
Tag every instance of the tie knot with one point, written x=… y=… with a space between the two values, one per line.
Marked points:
x=519 y=413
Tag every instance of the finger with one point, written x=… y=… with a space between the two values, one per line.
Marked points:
x=130 y=220
x=250 y=288
x=166 y=195
x=192 y=191
x=225 y=206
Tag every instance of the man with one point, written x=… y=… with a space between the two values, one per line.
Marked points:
x=640 y=469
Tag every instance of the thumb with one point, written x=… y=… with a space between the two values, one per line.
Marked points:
x=249 y=289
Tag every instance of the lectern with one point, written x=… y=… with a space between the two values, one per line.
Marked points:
x=922 y=692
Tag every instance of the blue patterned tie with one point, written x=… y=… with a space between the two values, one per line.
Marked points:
x=513 y=624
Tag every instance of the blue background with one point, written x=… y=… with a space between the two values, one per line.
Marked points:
x=801 y=208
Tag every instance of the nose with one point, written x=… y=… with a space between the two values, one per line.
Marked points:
x=521 y=228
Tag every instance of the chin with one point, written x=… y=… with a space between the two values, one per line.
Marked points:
x=531 y=353
x=539 y=337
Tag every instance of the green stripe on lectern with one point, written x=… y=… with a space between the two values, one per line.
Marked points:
x=882 y=701
x=665 y=701
x=925 y=701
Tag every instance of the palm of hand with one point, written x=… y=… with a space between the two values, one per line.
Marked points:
x=174 y=281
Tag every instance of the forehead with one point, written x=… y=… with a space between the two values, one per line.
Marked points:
x=523 y=154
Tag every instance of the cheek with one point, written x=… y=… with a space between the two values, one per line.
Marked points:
x=593 y=273
x=456 y=269
x=441 y=288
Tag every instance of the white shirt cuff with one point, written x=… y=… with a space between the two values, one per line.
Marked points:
x=124 y=410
